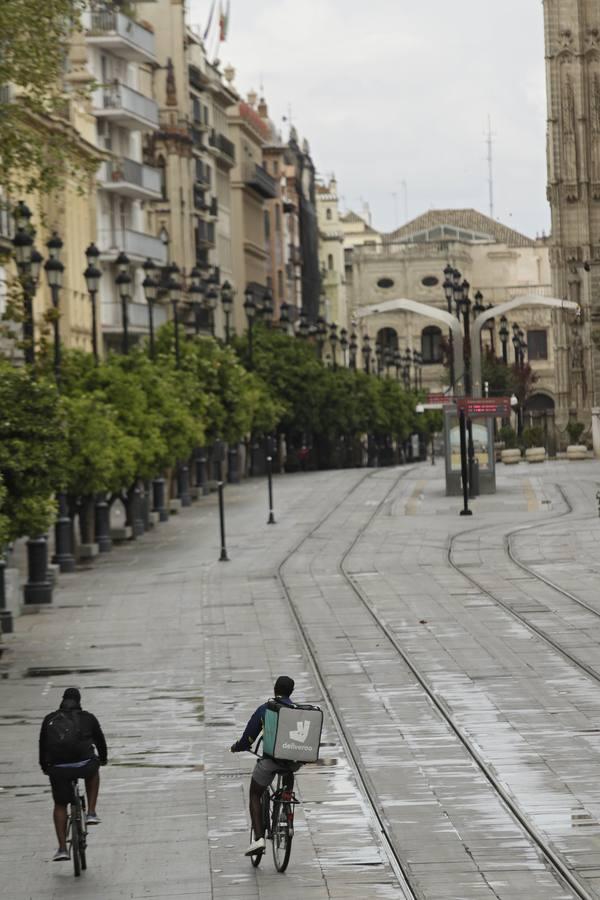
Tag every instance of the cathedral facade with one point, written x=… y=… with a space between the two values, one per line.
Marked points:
x=572 y=38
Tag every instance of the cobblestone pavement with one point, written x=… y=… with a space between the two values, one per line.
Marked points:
x=174 y=650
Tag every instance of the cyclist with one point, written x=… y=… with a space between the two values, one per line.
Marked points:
x=67 y=740
x=265 y=768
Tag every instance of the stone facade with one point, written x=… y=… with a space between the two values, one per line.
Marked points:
x=572 y=34
x=331 y=254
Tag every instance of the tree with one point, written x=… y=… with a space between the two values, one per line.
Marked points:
x=32 y=450
x=39 y=148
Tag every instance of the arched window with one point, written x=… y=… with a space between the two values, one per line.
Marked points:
x=431 y=344
x=330 y=262
x=388 y=338
x=328 y=214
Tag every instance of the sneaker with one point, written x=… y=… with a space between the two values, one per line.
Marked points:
x=256 y=847
x=92 y=819
x=60 y=855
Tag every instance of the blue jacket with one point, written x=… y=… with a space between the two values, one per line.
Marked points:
x=256 y=725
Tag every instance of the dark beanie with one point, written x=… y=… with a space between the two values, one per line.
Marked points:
x=72 y=694
x=284 y=686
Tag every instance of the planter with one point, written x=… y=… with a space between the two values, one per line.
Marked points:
x=510 y=457
x=577 y=451
x=535 y=454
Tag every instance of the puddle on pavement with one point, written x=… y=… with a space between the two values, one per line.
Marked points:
x=138 y=764
x=113 y=646
x=48 y=671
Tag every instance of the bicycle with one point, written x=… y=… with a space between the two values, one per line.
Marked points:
x=77 y=830
x=278 y=822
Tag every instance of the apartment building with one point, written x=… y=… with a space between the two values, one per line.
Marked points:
x=121 y=56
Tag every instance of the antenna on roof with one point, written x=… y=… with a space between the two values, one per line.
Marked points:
x=490 y=144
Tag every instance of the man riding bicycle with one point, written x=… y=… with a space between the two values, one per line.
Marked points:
x=265 y=768
x=67 y=740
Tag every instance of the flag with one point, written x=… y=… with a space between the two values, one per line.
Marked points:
x=210 y=18
x=223 y=20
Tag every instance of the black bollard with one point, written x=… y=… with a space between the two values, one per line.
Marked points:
x=102 y=523
x=183 y=484
x=63 y=536
x=223 y=557
x=271 y=519
x=158 y=499
x=38 y=588
x=233 y=475
x=6 y=618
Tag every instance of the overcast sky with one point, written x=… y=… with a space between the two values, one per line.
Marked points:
x=394 y=97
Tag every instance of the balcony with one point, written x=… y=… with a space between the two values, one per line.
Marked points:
x=128 y=108
x=197 y=78
x=130 y=179
x=214 y=208
x=137 y=245
x=203 y=174
x=222 y=146
x=259 y=180
x=111 y=30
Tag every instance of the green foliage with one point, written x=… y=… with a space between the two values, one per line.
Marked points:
x=575 y=430
x=35 y=36
x=508 y=435
x=4 y=521
x=32 y=449
x=431 y=421
x=533 y=437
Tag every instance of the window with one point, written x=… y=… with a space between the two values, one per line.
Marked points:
x=388 y=338
x=162 y=168
x=328 y=214
x=275 y=167
x=537 y=344
x=429 y=281
x=277 y=217
x=431 y=344
x=330 y=262
x=267 y=224
x=385 y=283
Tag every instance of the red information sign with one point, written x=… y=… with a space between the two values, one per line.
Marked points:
x=441 y=399
x=484 y=406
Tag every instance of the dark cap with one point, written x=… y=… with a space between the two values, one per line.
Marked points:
x=284 y=686
x=72 y=694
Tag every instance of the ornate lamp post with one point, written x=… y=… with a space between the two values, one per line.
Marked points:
x=174 y=291
x=267 y=307
x=196 y=295
x=227 y=304
x=250 y=310
x=212 y=300
x=406 y=369
x=54 y=273
x=123 y=282
x=353 y=347
x=333 y=340
x=92 y=276
x=449 y=295
x=366 y=353
x=379 y=356
x=398 y=363
x=503 y=332
x=321 y=335
x=463 y=303
x=284 y=317
x=29 y=263
x=344 y=345
x=150 y=285
x=303 y=325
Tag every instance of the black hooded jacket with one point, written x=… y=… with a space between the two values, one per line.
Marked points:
x=91 y=736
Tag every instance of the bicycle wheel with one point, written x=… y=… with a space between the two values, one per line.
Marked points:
x=83 y=835
x=282 y=837
x=75 y=847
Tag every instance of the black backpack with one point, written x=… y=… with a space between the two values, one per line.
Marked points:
x=63 y=737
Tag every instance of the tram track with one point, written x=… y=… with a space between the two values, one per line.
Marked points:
x=553 y=860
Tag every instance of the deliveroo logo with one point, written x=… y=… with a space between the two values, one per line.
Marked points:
x=301 y=732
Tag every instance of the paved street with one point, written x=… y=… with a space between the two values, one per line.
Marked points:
x=173 y=650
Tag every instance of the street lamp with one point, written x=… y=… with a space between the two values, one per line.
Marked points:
x=28 y=262
x=366 y=353
x=503 y=332
x=123 y=282
x=406 y=372
x=418 y=363
x=92 y=277
x=333 y=340
x=227 y=304
x=353 y=348
x=174 y=292
x=344 y=345
x=54 y=273
x=398 y=363
x=321 y=334
x=284 y=317
x=379 y=356
x=250 y=310
x=303 y=325
x=150 y=285
x=212 y=299
x=267 y=307
x=196 y=293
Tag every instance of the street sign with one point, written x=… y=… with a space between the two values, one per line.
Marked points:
x=485 y=406
x=441 y=399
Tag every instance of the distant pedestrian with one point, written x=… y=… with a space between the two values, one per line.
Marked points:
x=68 y=738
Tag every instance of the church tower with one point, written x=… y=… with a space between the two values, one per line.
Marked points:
x=572 y=36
